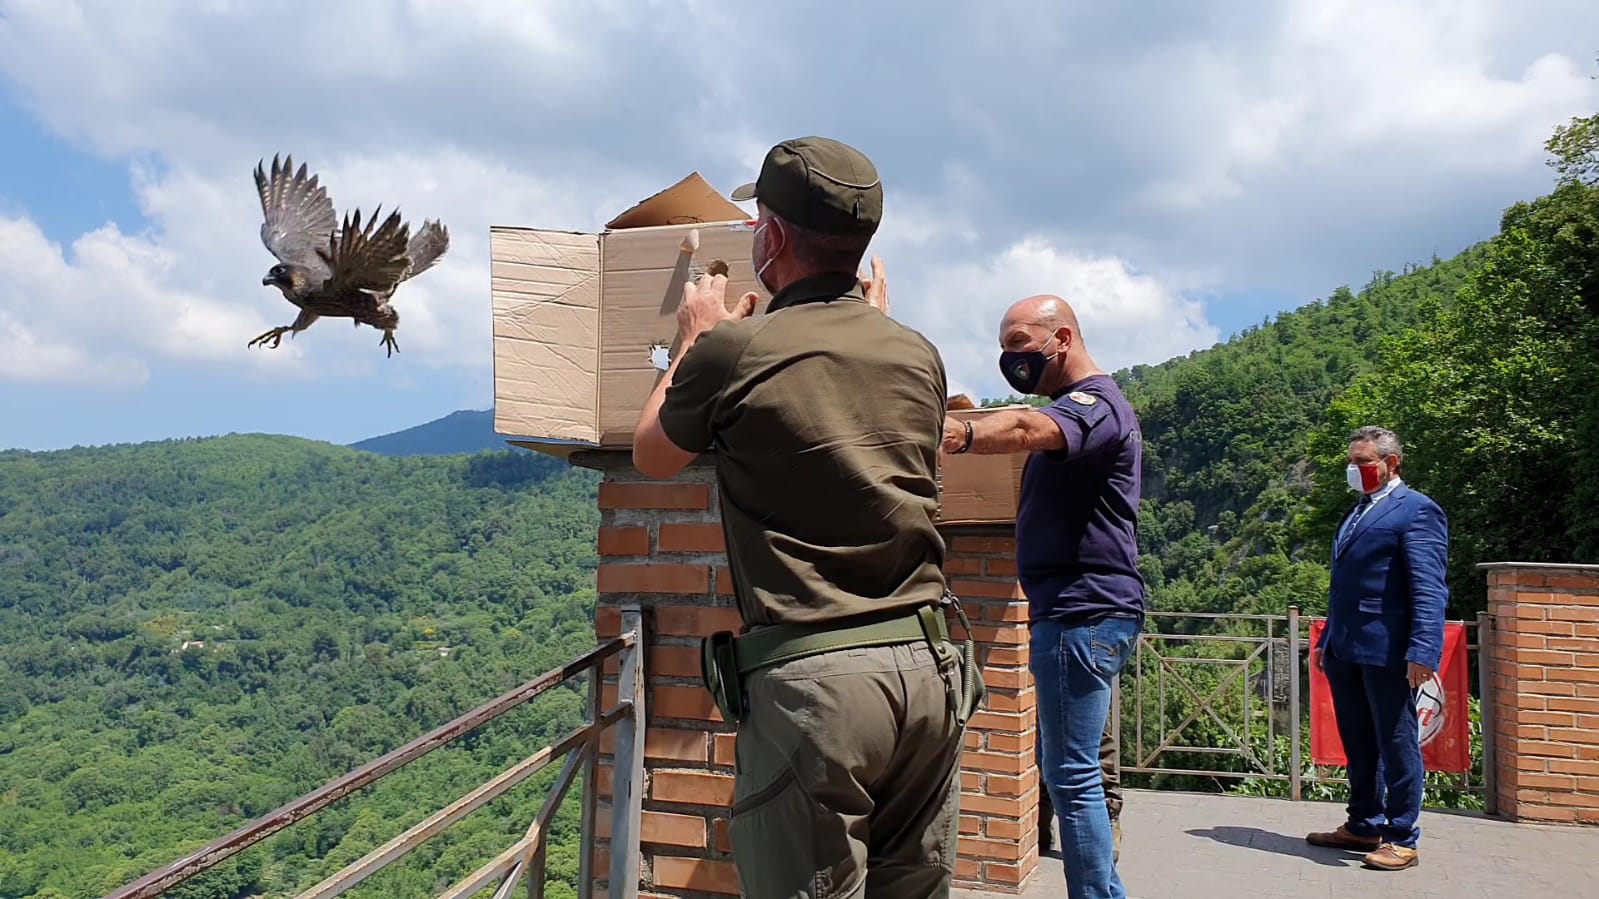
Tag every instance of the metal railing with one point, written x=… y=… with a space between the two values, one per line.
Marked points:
x=524 y=860
x=1238 y=685
x=1242 y=678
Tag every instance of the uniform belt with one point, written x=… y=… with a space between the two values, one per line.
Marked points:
x=725 y=660
x=767 y=645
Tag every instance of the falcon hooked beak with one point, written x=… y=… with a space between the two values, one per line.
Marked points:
x=280 y=276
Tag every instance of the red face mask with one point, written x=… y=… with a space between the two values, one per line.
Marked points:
x=1369 y=475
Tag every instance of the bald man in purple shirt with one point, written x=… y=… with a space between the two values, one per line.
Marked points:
x=1077 y=560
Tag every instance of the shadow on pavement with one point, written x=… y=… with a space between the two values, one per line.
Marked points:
x=1276 y=843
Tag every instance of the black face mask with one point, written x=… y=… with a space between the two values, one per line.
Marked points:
x=1023 y=369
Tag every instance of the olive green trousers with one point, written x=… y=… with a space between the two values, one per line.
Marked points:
x=848 y=776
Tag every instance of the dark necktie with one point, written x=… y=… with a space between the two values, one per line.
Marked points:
x=1360 y=509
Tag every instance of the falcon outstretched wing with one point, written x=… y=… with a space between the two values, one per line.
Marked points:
x=427 y=247
x=299 y=214
x=371 y=258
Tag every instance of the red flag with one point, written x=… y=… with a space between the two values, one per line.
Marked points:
x=1442 y=709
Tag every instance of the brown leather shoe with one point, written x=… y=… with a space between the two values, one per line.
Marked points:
x=1343 y=839
x=1389 y=857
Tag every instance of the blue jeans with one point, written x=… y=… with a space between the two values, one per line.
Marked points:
x=1074 y=668
x=1376 y=712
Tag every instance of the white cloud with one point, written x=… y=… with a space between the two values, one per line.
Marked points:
x=1344 y=136
x=957 y=291
x=1127 y=317
x=96 y=316
x=1125 y=158
x=26 y=356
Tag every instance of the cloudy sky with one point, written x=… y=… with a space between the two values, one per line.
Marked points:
x=1178 y=172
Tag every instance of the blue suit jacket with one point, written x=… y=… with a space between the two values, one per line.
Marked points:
x=1388 y=594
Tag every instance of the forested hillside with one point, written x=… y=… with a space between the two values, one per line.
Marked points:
x=193 y=632
x=1228 y=444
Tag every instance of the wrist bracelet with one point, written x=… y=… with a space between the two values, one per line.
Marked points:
x=968 y=444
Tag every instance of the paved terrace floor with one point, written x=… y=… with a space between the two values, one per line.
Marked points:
x=1202 y=846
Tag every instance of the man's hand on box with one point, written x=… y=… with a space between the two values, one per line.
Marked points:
x=704 y=306
x=954 y=435
x=876 y=287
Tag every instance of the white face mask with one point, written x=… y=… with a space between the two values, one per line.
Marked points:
x=760 y=270
x=1352 y=475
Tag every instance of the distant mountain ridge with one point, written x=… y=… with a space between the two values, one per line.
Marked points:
x=465 y=431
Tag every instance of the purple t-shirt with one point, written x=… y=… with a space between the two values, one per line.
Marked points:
x=1077 y=519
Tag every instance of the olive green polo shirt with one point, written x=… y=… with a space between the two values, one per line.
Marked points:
x=825 y=416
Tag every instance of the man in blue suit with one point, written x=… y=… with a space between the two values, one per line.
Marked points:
x=1383 y=639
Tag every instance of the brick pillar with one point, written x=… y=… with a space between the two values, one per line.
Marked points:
x=999 y=777
x=1544 y=690
x=661 y=546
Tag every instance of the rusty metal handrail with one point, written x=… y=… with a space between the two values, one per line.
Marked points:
x=156 y=882
x=374 y=861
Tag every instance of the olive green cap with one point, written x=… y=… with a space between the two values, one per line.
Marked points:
x=820 y=184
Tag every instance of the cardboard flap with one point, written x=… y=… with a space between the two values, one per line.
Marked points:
x=958 y=402
x=546 y=309
x=688 y=202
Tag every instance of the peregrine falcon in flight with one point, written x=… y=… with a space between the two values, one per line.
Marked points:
x=326 y=268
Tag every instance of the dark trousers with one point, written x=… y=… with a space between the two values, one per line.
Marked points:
x=1110 y=764
x=1376 y=711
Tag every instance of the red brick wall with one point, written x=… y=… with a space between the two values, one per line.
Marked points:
x=1544 y=691
x=661 y=545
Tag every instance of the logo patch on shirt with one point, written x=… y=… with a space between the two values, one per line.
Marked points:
x=1081 y=398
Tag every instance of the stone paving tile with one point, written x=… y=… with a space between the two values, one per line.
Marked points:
x=1205 y=846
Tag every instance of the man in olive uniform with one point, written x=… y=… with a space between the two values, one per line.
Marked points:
x=825 y=417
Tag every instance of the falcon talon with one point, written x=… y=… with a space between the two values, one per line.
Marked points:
x=275 y=336
x=328 y=269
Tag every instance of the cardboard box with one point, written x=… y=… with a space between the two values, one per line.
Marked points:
x=979 y=489
x=585 y=323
